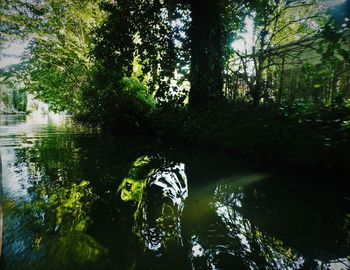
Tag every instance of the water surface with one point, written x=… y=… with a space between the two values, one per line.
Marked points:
x=75 y=199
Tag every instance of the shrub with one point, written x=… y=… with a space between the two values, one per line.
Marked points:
x=124 y=105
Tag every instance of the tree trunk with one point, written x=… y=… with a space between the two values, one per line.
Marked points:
x=206 y=53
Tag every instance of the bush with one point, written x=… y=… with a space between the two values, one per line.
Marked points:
x=125 y=105
x=296 y=133
x=134 y=102
x=19 y=99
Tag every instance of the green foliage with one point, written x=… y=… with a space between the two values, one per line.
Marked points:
x=282 y=33
x=150 y=32
x=315 y=81
x=12 y=98
x=57 y=62
x=128 y=65
x=336 y=34
x=127 y=104
x=19 y=100
x=5 y=97
x=301 y=133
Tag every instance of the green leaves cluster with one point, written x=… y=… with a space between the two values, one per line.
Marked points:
x=110 y=63
x=126 y=104
x=12 y=99
x=57 y=62
x=147 y=31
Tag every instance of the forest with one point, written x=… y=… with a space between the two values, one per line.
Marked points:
x=264 y=78
x=174 y=134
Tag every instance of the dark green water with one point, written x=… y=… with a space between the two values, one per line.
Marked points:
x=77 y=200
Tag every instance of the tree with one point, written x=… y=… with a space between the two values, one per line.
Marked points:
x=57 y=63
x=207 y=52
x=286 y=35
x=167 y=38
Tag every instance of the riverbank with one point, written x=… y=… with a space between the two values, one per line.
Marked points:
x=306 y=136
x=302 y=134
x=7 y=109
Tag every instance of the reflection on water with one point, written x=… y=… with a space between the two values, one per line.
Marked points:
x=78 y=200
x=159 y=190
x=46 y=230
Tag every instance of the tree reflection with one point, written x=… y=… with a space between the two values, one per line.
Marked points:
x=231 y=219
x=256 y=248
x=48 y=229
x=159 y=189
x=57 y=158
x=52 y=211
x=232 y=239
x=217 y=229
